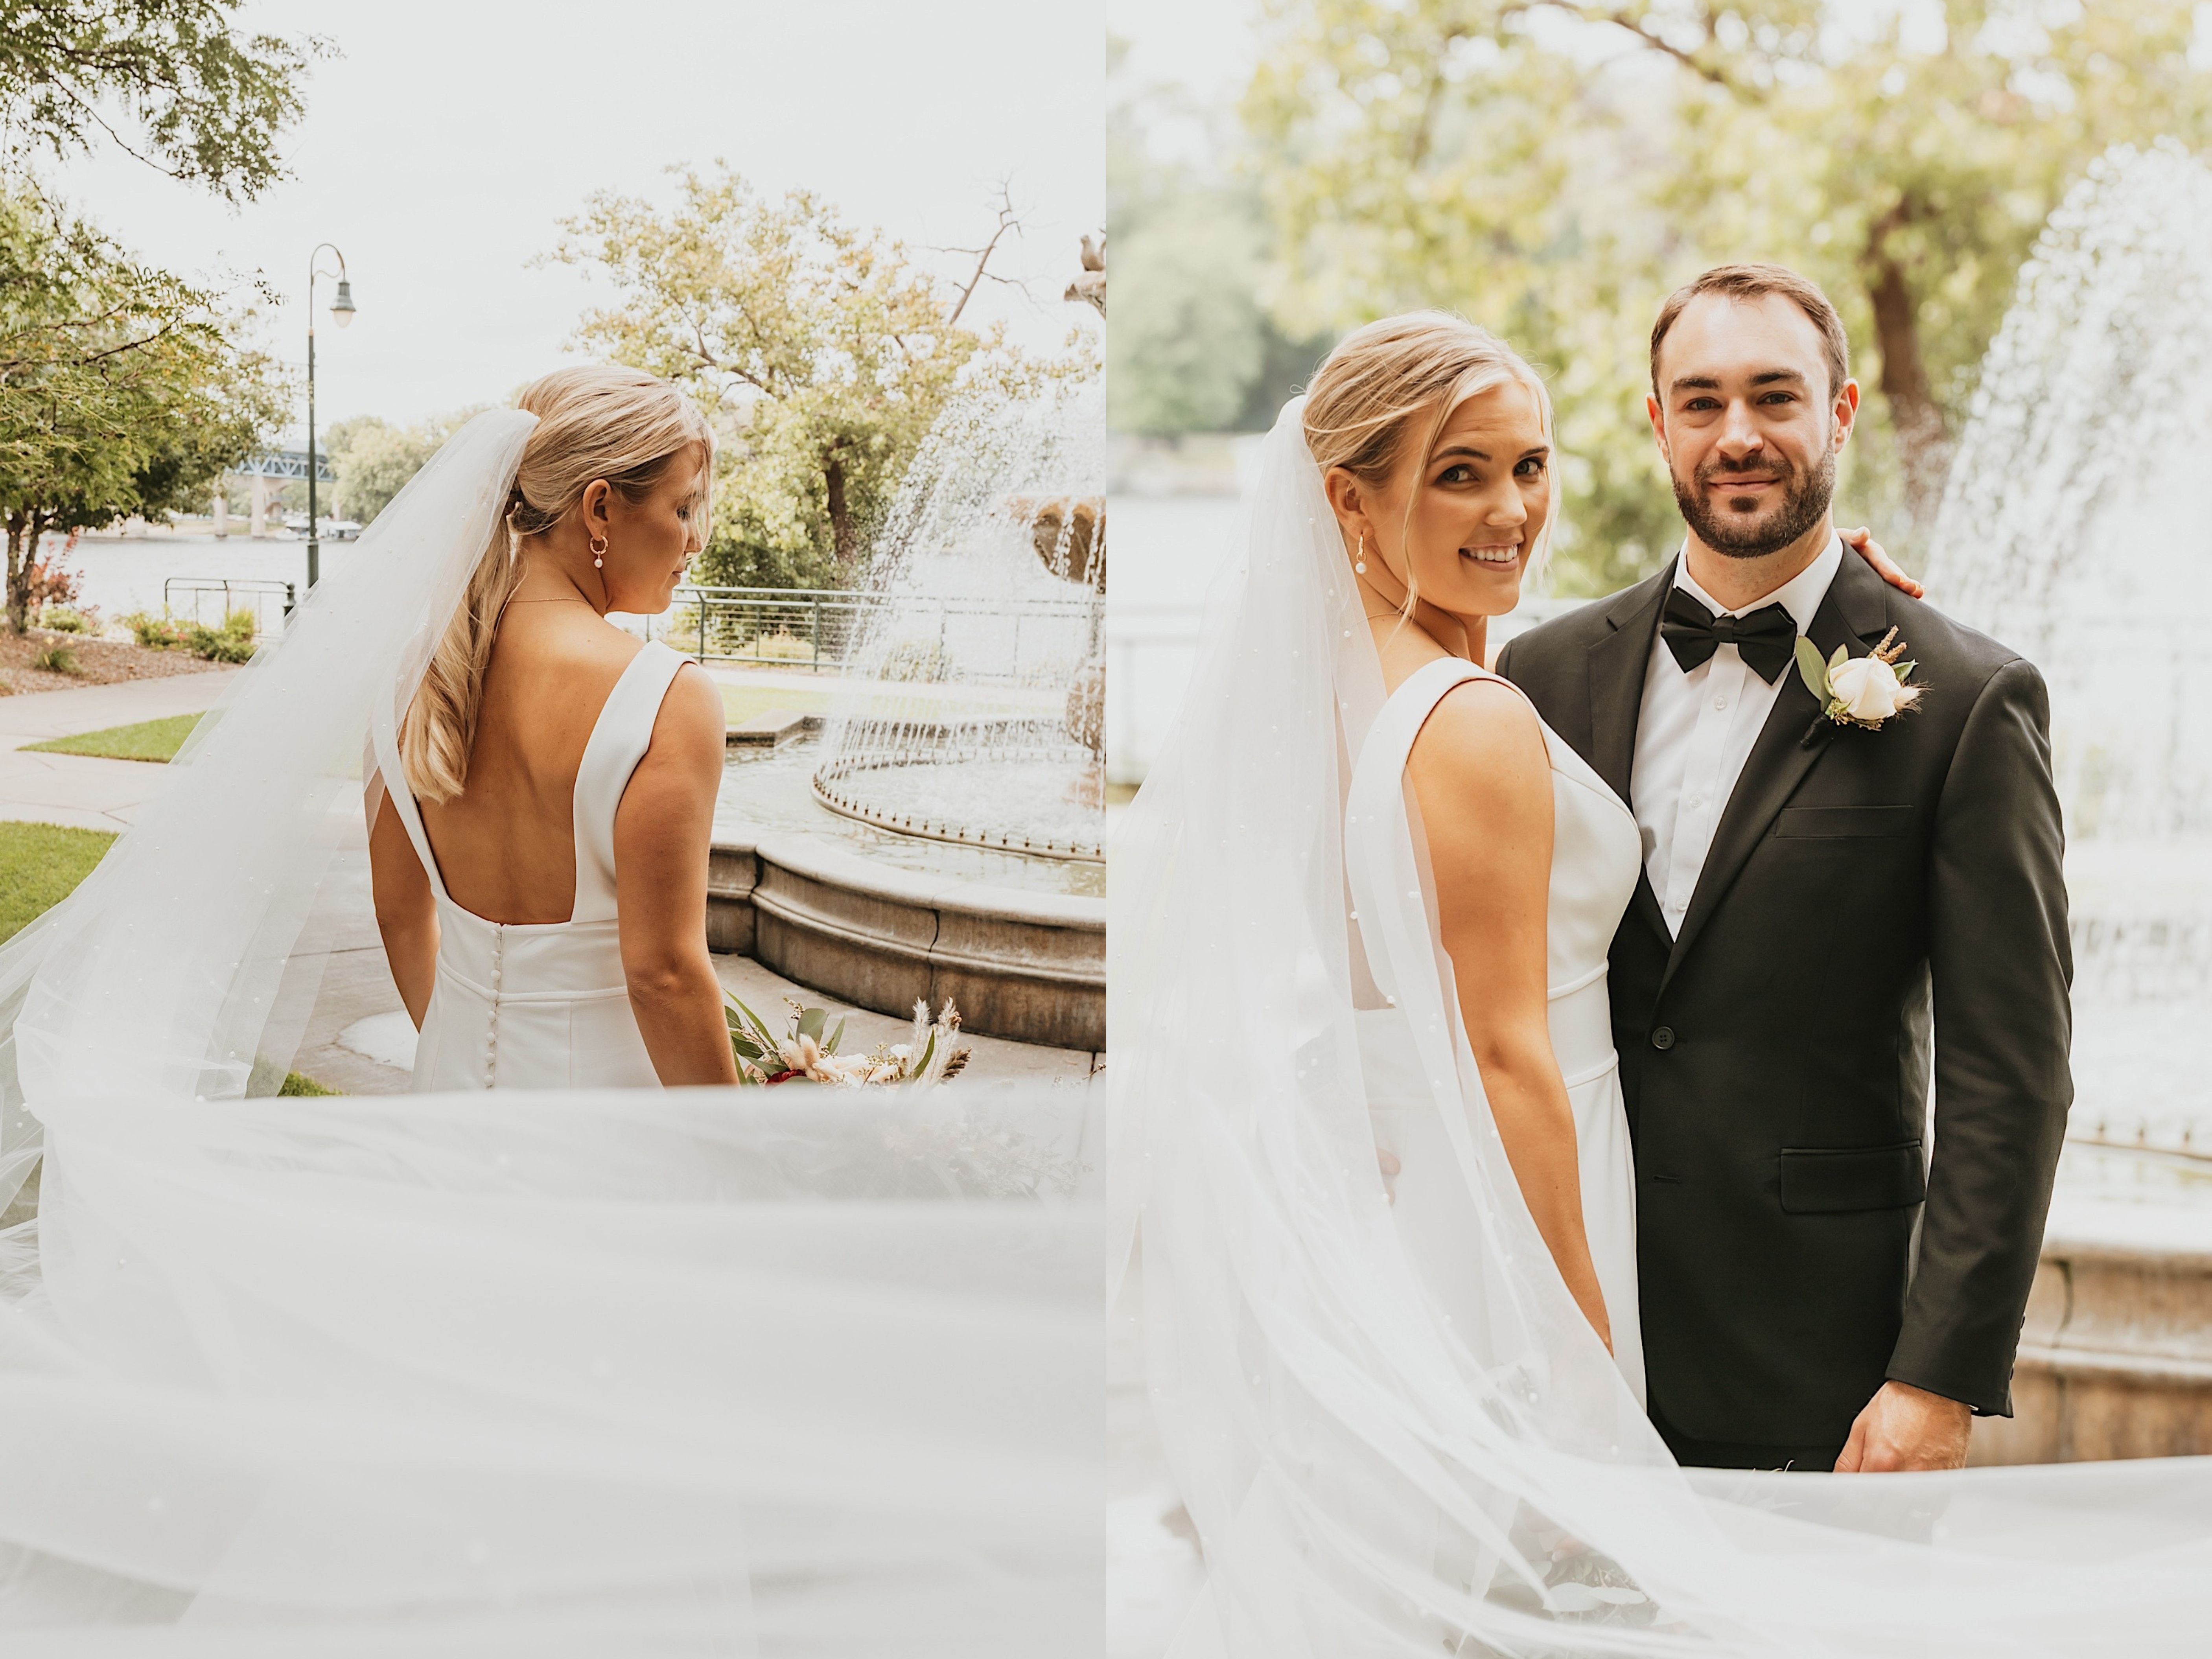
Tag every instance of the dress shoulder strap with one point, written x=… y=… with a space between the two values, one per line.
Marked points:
x=1390 y=741
x=618 y=742
x=385 y=743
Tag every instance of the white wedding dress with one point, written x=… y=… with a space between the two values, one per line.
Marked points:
x=1596 y=853
x=543 y=1005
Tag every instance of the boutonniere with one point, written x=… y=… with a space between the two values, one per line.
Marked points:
x=1859 y=691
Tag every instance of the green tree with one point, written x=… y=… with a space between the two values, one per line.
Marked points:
x=1195 y=347
x=200 y=99
x=375 y=459
x=1551 y=168
x=121 y=391
x=821 y=350
x=1189 y=336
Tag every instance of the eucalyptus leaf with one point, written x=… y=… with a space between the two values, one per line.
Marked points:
x=810 y=1021
x=1815 y=671
x=836 y=1038
x=767 y=1037
x=745 y=1045
x=1843 y=655
x=1905 y=671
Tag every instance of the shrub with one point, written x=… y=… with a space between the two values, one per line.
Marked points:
x=60 y=620
x=46 y=583
x=157 y=632
x=232 y=642
x=57 y=659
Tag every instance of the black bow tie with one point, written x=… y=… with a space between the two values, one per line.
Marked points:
x=1766 y=639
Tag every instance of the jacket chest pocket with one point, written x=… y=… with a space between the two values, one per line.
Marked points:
x=1843 y=823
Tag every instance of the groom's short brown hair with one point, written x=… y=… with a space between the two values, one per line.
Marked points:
x=1748 y=282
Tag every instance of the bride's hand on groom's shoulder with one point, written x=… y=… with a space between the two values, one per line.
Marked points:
x=1862 y=541
x=1907 y=1428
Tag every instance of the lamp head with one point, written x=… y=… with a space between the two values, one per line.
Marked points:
x=342 y=308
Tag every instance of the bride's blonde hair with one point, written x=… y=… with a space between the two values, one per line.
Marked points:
x=1397 y=380
x=596 y=422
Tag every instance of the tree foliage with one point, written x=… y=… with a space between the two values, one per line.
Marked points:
x=194 y=95
x=122 y=391
x=375 y=459
x=1551 y=168
x=1194 y=347
x=821 y=350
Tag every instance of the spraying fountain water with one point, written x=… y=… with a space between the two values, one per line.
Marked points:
x=2074 y=529
x=970 y=711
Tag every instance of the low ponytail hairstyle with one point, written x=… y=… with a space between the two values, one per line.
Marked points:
x=1391 y=384
x=597 y=421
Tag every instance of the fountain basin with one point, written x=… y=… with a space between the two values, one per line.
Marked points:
x=2116 y=1355
x=1018 y=962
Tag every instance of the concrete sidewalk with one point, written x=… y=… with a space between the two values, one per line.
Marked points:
x=79 y=790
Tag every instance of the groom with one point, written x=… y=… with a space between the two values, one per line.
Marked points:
x=1822 y=904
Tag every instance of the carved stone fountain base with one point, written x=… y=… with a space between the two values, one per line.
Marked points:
x=2116 y=1357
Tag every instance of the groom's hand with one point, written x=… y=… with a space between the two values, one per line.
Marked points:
x=1907 y=1428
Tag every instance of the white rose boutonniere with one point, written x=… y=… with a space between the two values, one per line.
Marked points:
x=1859 y=691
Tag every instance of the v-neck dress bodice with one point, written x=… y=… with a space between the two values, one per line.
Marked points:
x=1597 y=856
x=543 y=1005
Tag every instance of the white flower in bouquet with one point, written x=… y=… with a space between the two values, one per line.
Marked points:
x=807 y=1050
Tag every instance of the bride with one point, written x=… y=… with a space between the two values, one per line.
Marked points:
x=1369 y=1158
x=540 y=823
x=574 y=1368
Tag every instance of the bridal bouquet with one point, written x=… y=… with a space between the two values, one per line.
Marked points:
x=929 y=1057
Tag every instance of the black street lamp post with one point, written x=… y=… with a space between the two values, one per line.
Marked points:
x=341 y=309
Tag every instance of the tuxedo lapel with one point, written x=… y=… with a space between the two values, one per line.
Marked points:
x=1617 y=666
x=1855 y=613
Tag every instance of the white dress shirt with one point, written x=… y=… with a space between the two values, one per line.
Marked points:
x=1696 y=731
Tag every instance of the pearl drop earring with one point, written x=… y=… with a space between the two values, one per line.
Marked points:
x=1360 y=559
x=599 y=552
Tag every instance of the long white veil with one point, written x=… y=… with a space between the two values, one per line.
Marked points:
x=1374 y=1469
x=699 y=1372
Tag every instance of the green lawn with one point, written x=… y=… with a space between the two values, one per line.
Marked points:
x=149 y=740
x=40 y=865
x=741 y=702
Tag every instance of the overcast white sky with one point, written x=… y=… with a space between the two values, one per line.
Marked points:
x=441 y=148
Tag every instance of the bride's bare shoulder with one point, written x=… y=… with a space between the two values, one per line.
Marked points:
x=1482 y=739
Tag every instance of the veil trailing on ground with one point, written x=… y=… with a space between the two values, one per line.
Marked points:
x=1373 y=1466
x=699 y=1372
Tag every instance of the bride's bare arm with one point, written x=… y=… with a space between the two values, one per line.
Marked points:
x=406 y=912
x=1484 y=783
x=662 y=831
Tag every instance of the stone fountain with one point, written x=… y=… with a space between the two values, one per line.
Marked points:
x=2074 y=529
x=957 y=726
x=950 y=840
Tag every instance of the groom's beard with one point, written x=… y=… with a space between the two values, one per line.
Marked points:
x=1805 y=497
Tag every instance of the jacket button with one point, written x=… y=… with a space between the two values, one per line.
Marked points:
x=1663 y=1037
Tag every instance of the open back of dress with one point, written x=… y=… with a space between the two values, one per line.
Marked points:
x=543 y=1005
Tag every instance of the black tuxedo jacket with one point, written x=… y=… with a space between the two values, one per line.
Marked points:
x=1776 y=1055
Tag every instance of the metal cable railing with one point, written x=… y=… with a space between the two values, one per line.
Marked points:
x=814 y=630
x=236 y=594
